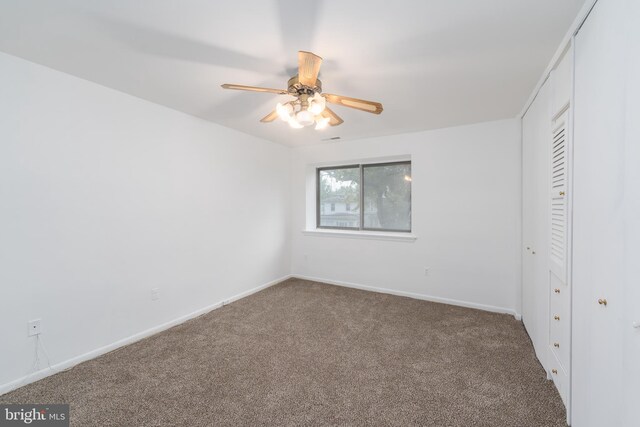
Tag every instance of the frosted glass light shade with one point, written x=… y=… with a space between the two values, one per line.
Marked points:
x=294 y=124
x=322 y=122
x=317 y=104
x=284 y=111
x=304 y=117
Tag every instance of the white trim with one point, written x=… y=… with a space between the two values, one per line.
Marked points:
x=70 y=363
x=569 y=402
x=361 y=161
x=423 y=297
x=557 y=57
x=371 y=235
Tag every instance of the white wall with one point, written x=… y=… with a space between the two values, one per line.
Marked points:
x=466 y=198
x=104 y=196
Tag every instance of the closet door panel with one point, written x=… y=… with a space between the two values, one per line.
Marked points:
x=631 y=349
x=605 y=352
x=562 y=83
x=559 y=331
x=536 y=132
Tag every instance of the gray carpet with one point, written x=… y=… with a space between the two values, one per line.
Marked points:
x=305 y=353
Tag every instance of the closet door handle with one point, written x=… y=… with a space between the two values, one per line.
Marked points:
x=602 y=301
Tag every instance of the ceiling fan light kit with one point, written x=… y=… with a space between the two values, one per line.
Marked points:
x=309 y=105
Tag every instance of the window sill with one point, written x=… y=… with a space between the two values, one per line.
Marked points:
x=370 y=235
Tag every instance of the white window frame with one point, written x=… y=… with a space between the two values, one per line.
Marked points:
x=361 y=166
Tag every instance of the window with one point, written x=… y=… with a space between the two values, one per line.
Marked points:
x=373 y=197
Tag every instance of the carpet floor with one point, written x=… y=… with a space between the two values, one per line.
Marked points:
x=307 y=353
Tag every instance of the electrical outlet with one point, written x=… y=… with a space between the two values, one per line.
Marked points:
x=426 y=271
x=155 y=294
x=34 y=327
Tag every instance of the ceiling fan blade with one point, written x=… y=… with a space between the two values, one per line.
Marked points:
x=358 y=104
x=308 y=68
x=254 y=89
x=270 y=117
x=334 y=119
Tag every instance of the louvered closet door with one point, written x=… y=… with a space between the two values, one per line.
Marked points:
x=558 y=203
x=558 y=229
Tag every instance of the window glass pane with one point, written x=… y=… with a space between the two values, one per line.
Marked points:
x=387 y=196
x=339 y=197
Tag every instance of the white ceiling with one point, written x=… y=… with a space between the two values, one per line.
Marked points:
x=432 y=63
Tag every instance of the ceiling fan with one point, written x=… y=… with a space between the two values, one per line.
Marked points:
x=309 y=107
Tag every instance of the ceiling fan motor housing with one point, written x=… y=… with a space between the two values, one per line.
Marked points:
x=296 y=88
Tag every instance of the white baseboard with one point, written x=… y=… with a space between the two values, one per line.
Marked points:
x=70 y=363
x=424 y=297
